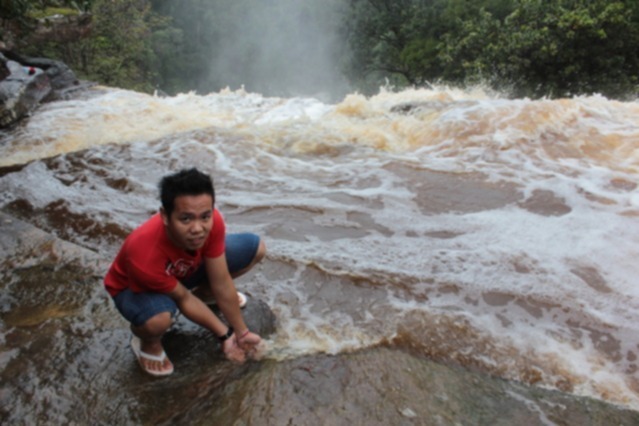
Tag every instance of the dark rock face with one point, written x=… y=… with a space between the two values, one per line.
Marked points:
x=424 y=107
x=4 y=69
x=259 y=317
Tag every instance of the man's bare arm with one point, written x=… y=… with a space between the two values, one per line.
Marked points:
x=195 y=310
x=225 y=293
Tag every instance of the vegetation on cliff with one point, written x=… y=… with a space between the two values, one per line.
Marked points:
x=531 y=48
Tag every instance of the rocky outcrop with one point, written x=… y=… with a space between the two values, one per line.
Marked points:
x=29 y=81
x=21 y=91
x=59 y=74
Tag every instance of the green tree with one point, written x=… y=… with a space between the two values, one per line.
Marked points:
x=571 y=47
x=465 y=49
x=393 y=41
x=550 y=48
x=13 y=9
x=119 y=52
x=18 y=17
x=118 y=49
x=404 y=42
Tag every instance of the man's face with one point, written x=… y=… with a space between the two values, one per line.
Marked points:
x=190 y=222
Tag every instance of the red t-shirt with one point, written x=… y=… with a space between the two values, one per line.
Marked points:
x=148 y=260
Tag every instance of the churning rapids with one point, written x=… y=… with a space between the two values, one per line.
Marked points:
x=498 y=235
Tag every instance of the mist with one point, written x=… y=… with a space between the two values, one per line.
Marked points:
x=276 y=47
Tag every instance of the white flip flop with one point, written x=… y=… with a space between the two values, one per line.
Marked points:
x=241 y=296
x=135 y=346
x=243 y=299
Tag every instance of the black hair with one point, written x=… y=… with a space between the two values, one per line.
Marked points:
x=185 y=182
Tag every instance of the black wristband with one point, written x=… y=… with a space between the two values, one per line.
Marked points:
x=228 y=334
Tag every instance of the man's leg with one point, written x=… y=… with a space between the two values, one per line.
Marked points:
x=150 y=334
x=150 y=315
x=243 y=252
x=257 y=258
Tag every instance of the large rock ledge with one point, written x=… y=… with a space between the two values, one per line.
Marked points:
x=385 y=386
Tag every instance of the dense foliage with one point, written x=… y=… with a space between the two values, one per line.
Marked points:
x=557 y=48
x=118 y=50
x=529 y=48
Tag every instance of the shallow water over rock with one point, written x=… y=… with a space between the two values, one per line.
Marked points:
x=66 y=360
x=496 y=245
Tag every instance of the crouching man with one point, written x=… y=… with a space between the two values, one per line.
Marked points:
x=179 y=249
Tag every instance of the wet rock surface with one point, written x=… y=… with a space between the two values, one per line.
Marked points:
x=63 y=339
x=385 y=386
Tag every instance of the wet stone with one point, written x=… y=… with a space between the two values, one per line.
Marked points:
x=440 y=192
x=593 y=278
x=545 y=203
x=381 y=386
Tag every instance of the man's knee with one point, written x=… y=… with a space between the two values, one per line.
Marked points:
x=257 y=257
x=157 y=325
x=261 y=251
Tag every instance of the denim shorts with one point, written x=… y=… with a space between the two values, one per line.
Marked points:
x=137 y=308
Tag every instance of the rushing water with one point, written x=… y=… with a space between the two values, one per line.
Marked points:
x=500 y=235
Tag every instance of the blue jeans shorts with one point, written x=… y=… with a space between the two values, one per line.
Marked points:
x=137 y=308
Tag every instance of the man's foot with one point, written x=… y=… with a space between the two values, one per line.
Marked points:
x=242 y=299
x=155 y=365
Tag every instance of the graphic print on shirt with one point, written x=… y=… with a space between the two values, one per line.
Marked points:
x=180 y=269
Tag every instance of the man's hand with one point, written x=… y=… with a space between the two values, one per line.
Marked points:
x=251 y=344
x=232 y=351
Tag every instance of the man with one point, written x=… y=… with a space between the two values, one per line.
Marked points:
x=183 y=247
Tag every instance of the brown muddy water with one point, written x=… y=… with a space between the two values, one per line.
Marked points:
x=435 y=257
